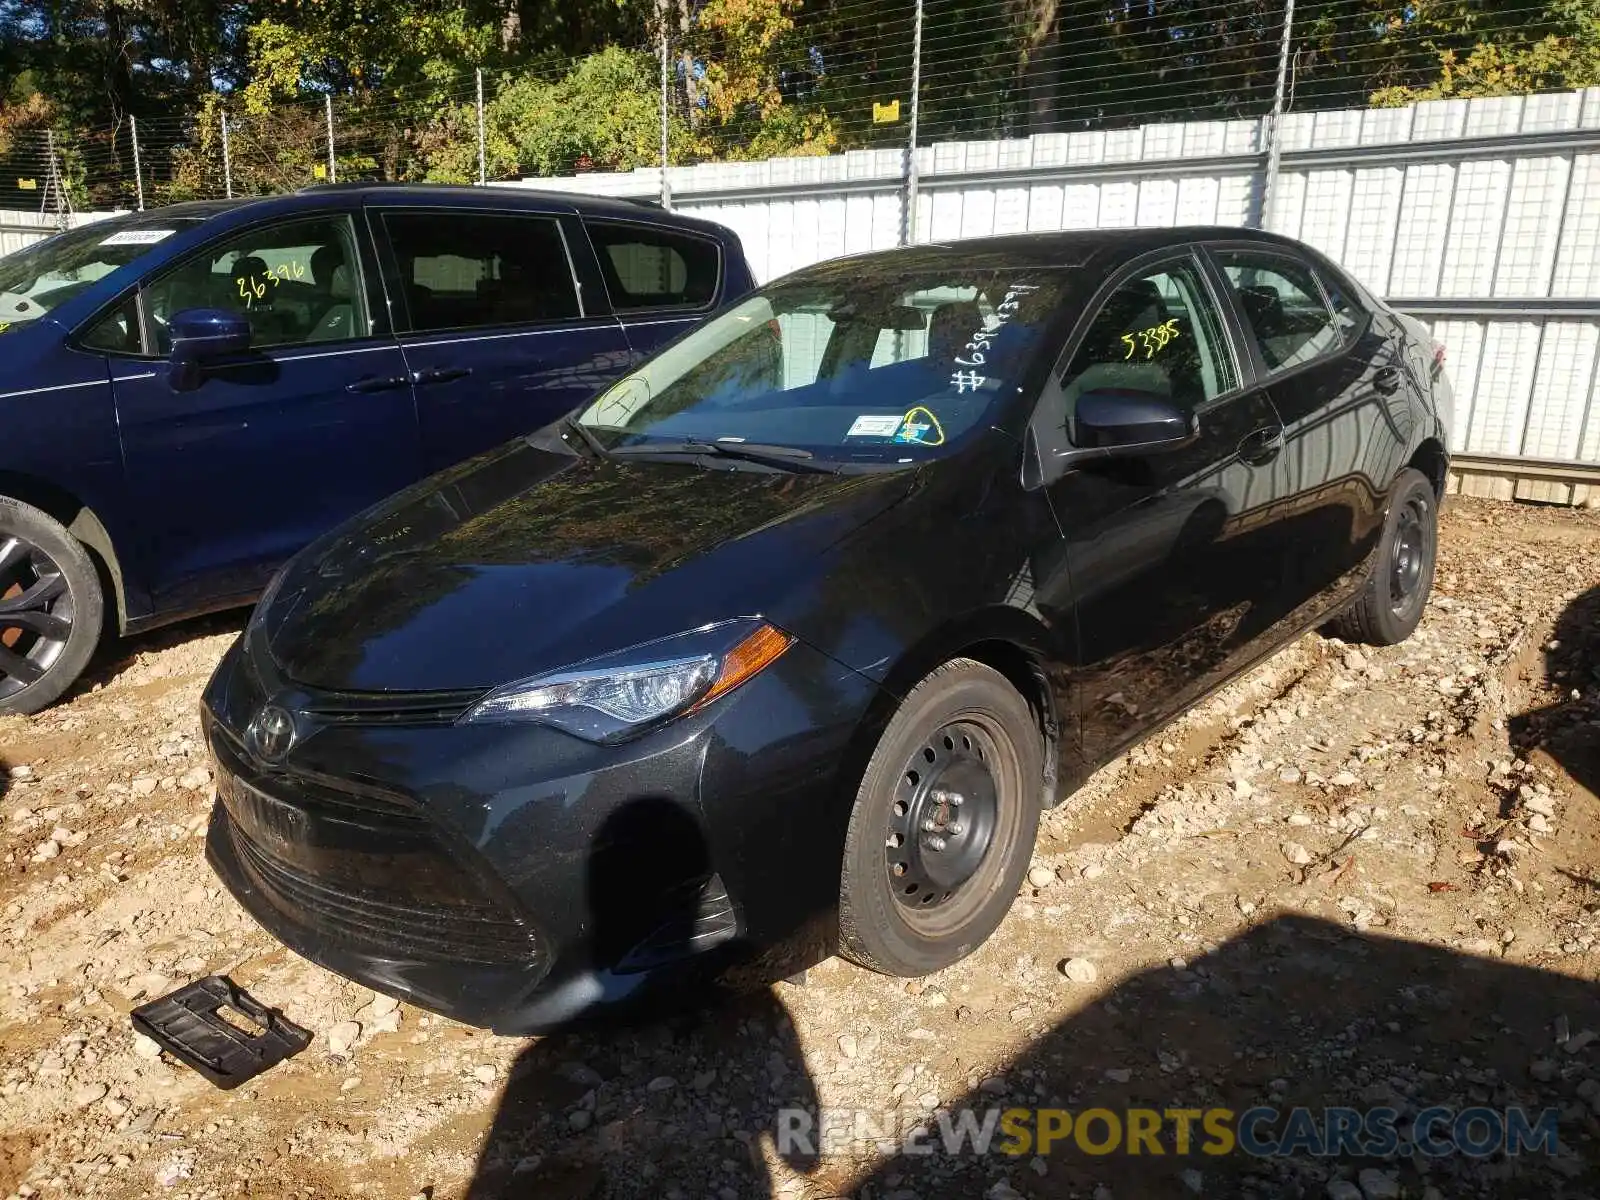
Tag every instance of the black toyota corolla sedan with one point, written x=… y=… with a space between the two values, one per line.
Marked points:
x=779 y=647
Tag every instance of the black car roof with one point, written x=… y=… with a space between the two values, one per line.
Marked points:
x=1064 y=248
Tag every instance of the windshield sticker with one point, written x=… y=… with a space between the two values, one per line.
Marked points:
x=138 y=237
x=1150 y=340
x=922 y=427
x=868 y=425
x=977 y=349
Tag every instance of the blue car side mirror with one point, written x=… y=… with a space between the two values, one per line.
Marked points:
x=202 y=335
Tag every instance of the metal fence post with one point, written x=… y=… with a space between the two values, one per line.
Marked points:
x=1269 y=186
x=227 y=159
x=483 y=154
x=138 y=170
x=333 y=169
x=908 y=227
x=666 y=49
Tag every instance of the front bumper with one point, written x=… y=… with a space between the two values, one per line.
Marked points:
x=517 y=878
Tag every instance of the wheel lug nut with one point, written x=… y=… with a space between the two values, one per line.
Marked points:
x=955 y=829
x=954 y=799
x=928 y=826
x=936 y=843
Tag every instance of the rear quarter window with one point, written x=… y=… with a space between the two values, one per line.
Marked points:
x=650 y=268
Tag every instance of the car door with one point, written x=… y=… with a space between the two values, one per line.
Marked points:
x=661 y=281
x=232 y=475
x=496 y=336
x=1164 y=560
x=1336 y=379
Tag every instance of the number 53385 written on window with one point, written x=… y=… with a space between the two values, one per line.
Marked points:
x=1150 y=340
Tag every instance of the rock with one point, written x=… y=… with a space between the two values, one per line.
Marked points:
x=46 y=850
x=581 y=1074
x=1002 y=1191
x=195 y=780
x=145 y=785
x=343 y=1036
x=146 y=1048
x=661 y=1083
x=383 y=1004
x=1118 y=1074
x=1041 y=877
x=388 y=1023
x=1344 y=779
x=1579 y=1040
x=21 y=771
x=1080 y=970
x=1378 y=1185
x=351 y=1084
x=484 y=1073
x=1193 y=1180
x=1242 y=789
x=1296 y=853
x=1102 y=1192
x=1539 y=823
x=995 y=1085
x=847 y=1045
x=1092 y=871
x=1290 y=775
x=579 y=1119
x=116 y=1108
x=1543 y=806
x=1354 y=660
x=1342 y=1189
x=89 y=1094
x=1299 y=819
x=1543 y=1070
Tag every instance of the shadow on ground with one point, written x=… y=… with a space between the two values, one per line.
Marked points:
x=1569 y=730
x=117 y=654
x=1295 y=1012
x=677 y=1107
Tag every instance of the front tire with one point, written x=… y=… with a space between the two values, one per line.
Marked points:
x=1390 y=606
x=944 y=823
x=51 y=608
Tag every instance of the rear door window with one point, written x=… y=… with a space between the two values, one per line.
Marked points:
x=1282 y=307
x=653 y=268
x=477 y=270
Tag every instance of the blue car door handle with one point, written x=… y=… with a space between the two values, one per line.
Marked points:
x=385 y=384
x=440 y=374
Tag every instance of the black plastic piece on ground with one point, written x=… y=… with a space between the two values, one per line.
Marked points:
x=187 y=1024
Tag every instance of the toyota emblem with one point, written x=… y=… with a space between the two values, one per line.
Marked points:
x=272 y=733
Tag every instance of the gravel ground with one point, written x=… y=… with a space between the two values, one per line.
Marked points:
x=1355 y=878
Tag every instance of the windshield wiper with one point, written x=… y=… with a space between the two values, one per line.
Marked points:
x=573 y=425
x=786 y=458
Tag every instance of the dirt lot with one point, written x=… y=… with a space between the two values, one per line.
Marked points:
x=1354 y=878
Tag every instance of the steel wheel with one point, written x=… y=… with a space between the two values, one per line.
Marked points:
x=36 y=614
x=943 y=823
x=1409 y=553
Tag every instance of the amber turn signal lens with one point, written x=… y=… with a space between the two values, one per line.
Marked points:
x=753 y=654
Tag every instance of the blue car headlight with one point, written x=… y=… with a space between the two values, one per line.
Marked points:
x=621 y=695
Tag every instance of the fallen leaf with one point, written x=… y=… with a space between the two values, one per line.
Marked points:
x=1443 y=887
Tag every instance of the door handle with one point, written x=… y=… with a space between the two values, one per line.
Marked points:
x=1386 y=379
x=378 y=385
x=440 y=374
x=1262 y=445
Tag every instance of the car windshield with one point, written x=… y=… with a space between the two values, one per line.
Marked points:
x=880 y=361
x=39 y=277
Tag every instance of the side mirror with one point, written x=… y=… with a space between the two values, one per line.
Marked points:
x=202 y=335
x=1113 y=422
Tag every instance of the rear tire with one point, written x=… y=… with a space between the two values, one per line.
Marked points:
x=943 y=824
x=1391 y=605
x=52 y=608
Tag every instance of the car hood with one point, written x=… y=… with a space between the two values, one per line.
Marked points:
x=527 y=560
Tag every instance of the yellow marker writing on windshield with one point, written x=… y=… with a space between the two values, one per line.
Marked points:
x=913 y=430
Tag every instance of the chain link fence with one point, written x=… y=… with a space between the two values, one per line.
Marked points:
x=833 y=75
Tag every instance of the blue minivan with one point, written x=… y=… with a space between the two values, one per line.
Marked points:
x=191 y=394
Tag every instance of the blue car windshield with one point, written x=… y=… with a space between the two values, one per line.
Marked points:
x=48 y=273
x=878 y=361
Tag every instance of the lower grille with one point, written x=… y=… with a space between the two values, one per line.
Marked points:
x=363 y=868
x=461 y=933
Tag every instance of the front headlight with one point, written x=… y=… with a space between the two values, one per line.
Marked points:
x=620 y=695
